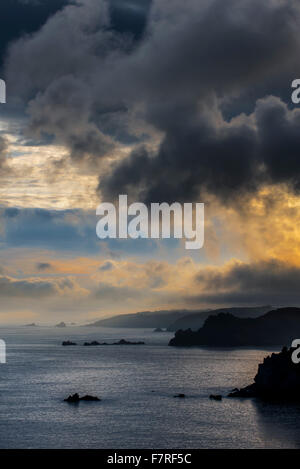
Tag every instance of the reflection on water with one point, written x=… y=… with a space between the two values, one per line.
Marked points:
x=137 y=385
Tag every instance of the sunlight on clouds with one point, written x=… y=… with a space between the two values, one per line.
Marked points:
x=40 y=177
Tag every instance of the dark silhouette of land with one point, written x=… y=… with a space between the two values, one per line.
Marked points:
x=61 y=324
x=276 y=327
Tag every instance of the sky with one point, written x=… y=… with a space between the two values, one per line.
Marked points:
x=163 y=101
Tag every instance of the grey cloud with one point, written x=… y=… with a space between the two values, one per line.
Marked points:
x=271 y=282
x=43 y=266
x=85 y=81
x=107 y=292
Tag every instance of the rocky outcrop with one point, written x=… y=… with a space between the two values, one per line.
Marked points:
x=216 y=397
x=74 y=398
x=277 y=378
x=276 y=327
x=68 y=342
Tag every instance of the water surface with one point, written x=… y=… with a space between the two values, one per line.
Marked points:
x=137 y=385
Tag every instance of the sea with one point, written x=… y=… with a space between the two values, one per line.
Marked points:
x=137 y=385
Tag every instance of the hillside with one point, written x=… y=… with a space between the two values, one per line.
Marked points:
x=196 y=320
x=276 y=327
x=153 y=319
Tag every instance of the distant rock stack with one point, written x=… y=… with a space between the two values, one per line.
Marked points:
x=61 y=324
x=277 y=378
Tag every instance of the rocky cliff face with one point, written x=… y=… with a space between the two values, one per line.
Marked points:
x=277 y=378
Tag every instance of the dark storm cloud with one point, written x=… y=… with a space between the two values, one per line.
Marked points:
x=223 y=159
x=85 y=81
x=23 y=16
x=268 y=282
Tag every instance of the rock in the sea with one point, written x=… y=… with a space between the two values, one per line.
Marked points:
x=68 y=342
x=277 y=378
x=158 y=329
x=61 y=324
x=75 y=398
x=127 y=342
x=216 y=397
x=87 y=397
x=180 y=395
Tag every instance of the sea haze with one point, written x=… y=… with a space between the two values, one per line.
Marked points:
x=137 y=385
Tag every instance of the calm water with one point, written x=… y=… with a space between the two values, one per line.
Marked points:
x=136 y=384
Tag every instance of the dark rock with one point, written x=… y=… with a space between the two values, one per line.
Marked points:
x=277 y=378
x=75 y=398
x=121 y=342
x=248 y=391
x=87 y=397
x=216 y=397
x=68 y=342
x=158 y=329
x=180 y=395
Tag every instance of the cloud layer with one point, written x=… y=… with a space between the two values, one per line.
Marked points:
x=186 y=101
x=196 y=66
